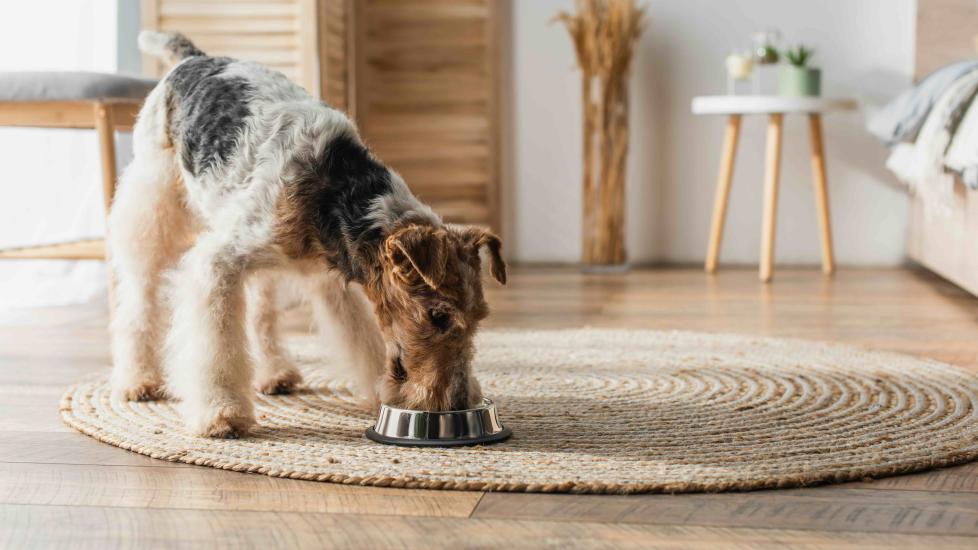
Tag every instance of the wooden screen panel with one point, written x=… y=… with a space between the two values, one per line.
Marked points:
x=335 y=62
x=946 y=32
x=427 y=98
x=303 y=39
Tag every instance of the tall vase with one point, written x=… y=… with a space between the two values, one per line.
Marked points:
x=604 y=34
x=605 y=153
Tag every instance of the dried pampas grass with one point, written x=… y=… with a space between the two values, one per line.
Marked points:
x=604 y=34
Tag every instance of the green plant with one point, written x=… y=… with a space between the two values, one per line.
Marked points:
x=799 y=56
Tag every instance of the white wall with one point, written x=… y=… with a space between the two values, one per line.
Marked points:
x=865 y=48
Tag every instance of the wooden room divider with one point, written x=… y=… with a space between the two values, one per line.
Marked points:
x=422 y=78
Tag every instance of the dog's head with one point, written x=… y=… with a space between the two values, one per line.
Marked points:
x=429 y=306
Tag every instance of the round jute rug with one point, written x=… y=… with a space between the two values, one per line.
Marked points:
x=604 y=412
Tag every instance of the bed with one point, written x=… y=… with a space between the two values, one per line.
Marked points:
x=943 y=227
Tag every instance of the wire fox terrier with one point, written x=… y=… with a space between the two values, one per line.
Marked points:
x=238 y=175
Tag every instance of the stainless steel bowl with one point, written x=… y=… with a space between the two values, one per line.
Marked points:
x=438 y=429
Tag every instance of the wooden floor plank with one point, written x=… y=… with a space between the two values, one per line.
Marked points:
x=208 y=489
x=59 y=372
x=38 y=447
x=82 y=527
x=958 y=479
x=836 y=510
x=31 y=408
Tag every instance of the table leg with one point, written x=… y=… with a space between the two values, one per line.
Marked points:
x=772 y=173
x=724 y=179
x=821 y=192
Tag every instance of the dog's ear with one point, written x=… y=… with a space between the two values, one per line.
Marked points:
x=418 y=250
x=477 y=238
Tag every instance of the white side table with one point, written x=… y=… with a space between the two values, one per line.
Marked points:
x=775 y=107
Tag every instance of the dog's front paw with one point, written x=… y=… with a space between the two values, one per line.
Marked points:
x=228 y=422
x=143 y=390
x=281 y=381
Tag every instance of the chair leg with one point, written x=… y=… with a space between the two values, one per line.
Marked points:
x=821 y=192
x=772 y=173
x=723 y=191
x=105 y=130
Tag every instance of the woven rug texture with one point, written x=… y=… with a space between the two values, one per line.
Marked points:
x=602 y=411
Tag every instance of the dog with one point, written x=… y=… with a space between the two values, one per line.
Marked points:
x=240 y=175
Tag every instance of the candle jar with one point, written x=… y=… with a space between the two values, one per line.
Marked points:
x=739 y=65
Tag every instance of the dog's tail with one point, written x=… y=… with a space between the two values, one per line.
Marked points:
x=171 y=47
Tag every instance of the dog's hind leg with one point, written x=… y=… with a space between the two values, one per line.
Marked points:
x=346 y=320
x=274 y=370
x=149 y=227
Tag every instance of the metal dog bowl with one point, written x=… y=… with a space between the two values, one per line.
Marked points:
x=438 y=429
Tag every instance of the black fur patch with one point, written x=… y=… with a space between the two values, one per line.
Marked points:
x=337 y=191
x=208 y=111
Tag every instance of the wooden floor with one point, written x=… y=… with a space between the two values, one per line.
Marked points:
x=59 y=488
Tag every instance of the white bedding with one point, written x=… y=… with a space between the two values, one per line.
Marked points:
x=946 y=144
x=962 y=154
x=921 y=164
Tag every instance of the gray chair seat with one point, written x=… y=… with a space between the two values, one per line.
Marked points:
x=72 y=86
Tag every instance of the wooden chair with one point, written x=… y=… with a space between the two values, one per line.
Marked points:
x=103 y=102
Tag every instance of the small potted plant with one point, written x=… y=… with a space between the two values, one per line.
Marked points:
x=797 y=78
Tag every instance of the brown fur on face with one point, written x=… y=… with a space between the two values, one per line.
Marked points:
x=429 y=302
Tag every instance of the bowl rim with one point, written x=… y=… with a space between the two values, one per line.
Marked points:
x=486 y=404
